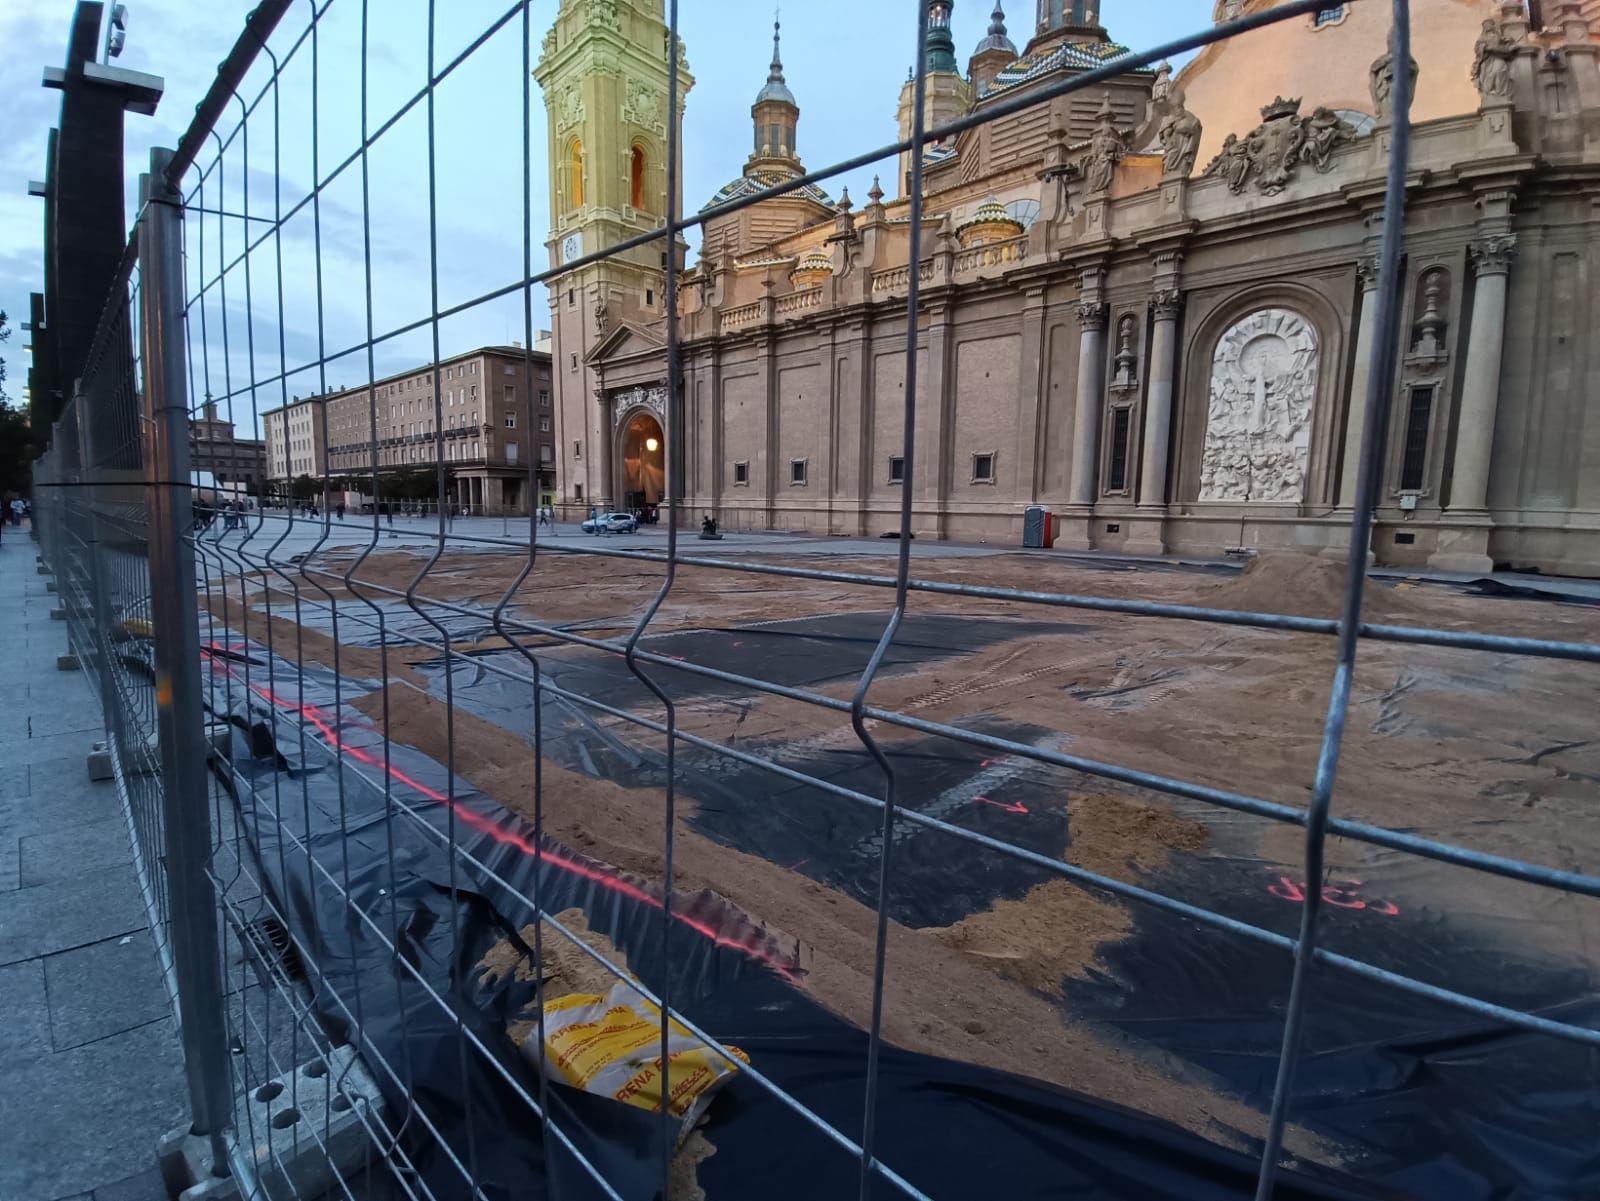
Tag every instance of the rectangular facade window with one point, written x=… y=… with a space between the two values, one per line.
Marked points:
x=983 y=468
x=511 y=420
x=511 y=452
x=509 y=394
x=649 y=297
x=897 y=469
x=1121 y=425
x=573 y=364
x=544 y=425
x=797 y=472
x=741 y=473
x=577 y=450
x=1414 y=455
x=544 y=398
x=547 y=453
x=577 y=491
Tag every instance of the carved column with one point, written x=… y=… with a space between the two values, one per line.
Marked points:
x=1480 y=388
x=1360 y=376
x=1092 y=316
x=1164 y=306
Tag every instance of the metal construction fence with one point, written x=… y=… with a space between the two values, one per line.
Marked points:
x=325 y=884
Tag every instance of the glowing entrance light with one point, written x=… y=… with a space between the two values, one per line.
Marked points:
x=652 y=445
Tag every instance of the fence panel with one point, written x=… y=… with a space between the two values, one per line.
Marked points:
x=340 y=736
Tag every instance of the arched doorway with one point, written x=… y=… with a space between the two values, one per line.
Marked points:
x=644 y=472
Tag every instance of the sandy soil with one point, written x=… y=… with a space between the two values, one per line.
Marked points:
x=1490 y=751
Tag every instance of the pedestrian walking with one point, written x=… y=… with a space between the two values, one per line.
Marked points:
x=17 y=507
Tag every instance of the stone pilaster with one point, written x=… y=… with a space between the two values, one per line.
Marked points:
x=1093 y=314
x=1360 y=379
x=1166 y=302
x=1466 y=548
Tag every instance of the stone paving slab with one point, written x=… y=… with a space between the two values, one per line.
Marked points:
x=25 y=1032
x=70 y=850
x=91 y=1115
x=69 y=913
x=91 y=1072
x=102 y=989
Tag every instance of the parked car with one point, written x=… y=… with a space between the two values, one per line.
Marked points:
x=612 y=523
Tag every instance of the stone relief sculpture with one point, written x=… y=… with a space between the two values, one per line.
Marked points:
x=570 y=106
x=1324 y=130
x=1491 y=62
x=1124 y=372
x=1106 y=148
x=602 y=317
x=1273 y=147
x=1180 y=137
x=644 y=105
x=1270 y=152
x=1382 y=82
x=1258 y=423
x=625 y=402
x=1231 y=164
x=1162 y=87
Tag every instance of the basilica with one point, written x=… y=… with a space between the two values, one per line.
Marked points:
x=1147 y=306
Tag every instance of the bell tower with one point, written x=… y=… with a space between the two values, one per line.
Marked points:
x=604 y=72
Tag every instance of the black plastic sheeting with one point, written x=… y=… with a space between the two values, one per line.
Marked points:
x=1432 y=1099
x=1441 y=1103
x=323 y=829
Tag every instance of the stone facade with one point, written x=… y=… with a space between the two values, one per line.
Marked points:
x=214 y=447
x=496 y=414
x=1174 y=351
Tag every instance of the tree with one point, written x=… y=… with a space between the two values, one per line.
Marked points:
x=304 y=487
x=16 y=437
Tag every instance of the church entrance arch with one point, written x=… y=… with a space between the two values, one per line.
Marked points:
x=642 y=458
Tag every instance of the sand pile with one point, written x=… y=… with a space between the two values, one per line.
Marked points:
x=1052 y=932
x=1309 y=586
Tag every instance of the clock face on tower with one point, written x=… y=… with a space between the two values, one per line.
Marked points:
x=571 y=248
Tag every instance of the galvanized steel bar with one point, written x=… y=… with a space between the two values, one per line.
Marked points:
x=174 y=615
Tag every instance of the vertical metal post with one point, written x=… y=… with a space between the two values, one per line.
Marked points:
x=99 y=616
x=175 y=614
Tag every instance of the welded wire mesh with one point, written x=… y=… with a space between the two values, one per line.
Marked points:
x=355 y=848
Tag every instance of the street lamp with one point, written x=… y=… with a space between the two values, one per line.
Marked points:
x=116 y=31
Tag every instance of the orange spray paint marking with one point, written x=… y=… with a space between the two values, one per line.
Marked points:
x=319 y=718
x=1008 y=806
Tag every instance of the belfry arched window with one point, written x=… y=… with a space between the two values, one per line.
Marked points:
x=637 y=164
x=575 y=174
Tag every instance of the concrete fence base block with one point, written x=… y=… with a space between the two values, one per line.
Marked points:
x=100 y=768
x=49 y=585
x=58 y=615
x=308 y=1134
x=43 y=570
x=67 y=663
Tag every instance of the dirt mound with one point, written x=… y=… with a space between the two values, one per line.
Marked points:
x=1309 y=586
x=1112 y=833
x=1052 y=932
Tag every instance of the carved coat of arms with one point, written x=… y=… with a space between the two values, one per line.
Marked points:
x=1270 y=153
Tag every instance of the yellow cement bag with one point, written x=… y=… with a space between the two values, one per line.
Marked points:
x=611 y=1046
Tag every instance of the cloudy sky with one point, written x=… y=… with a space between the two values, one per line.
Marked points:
x=844 y=62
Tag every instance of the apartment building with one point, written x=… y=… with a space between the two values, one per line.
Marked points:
x=295 y=442
x=493 y=414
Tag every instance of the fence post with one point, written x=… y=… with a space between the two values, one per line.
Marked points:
x=186 y=815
